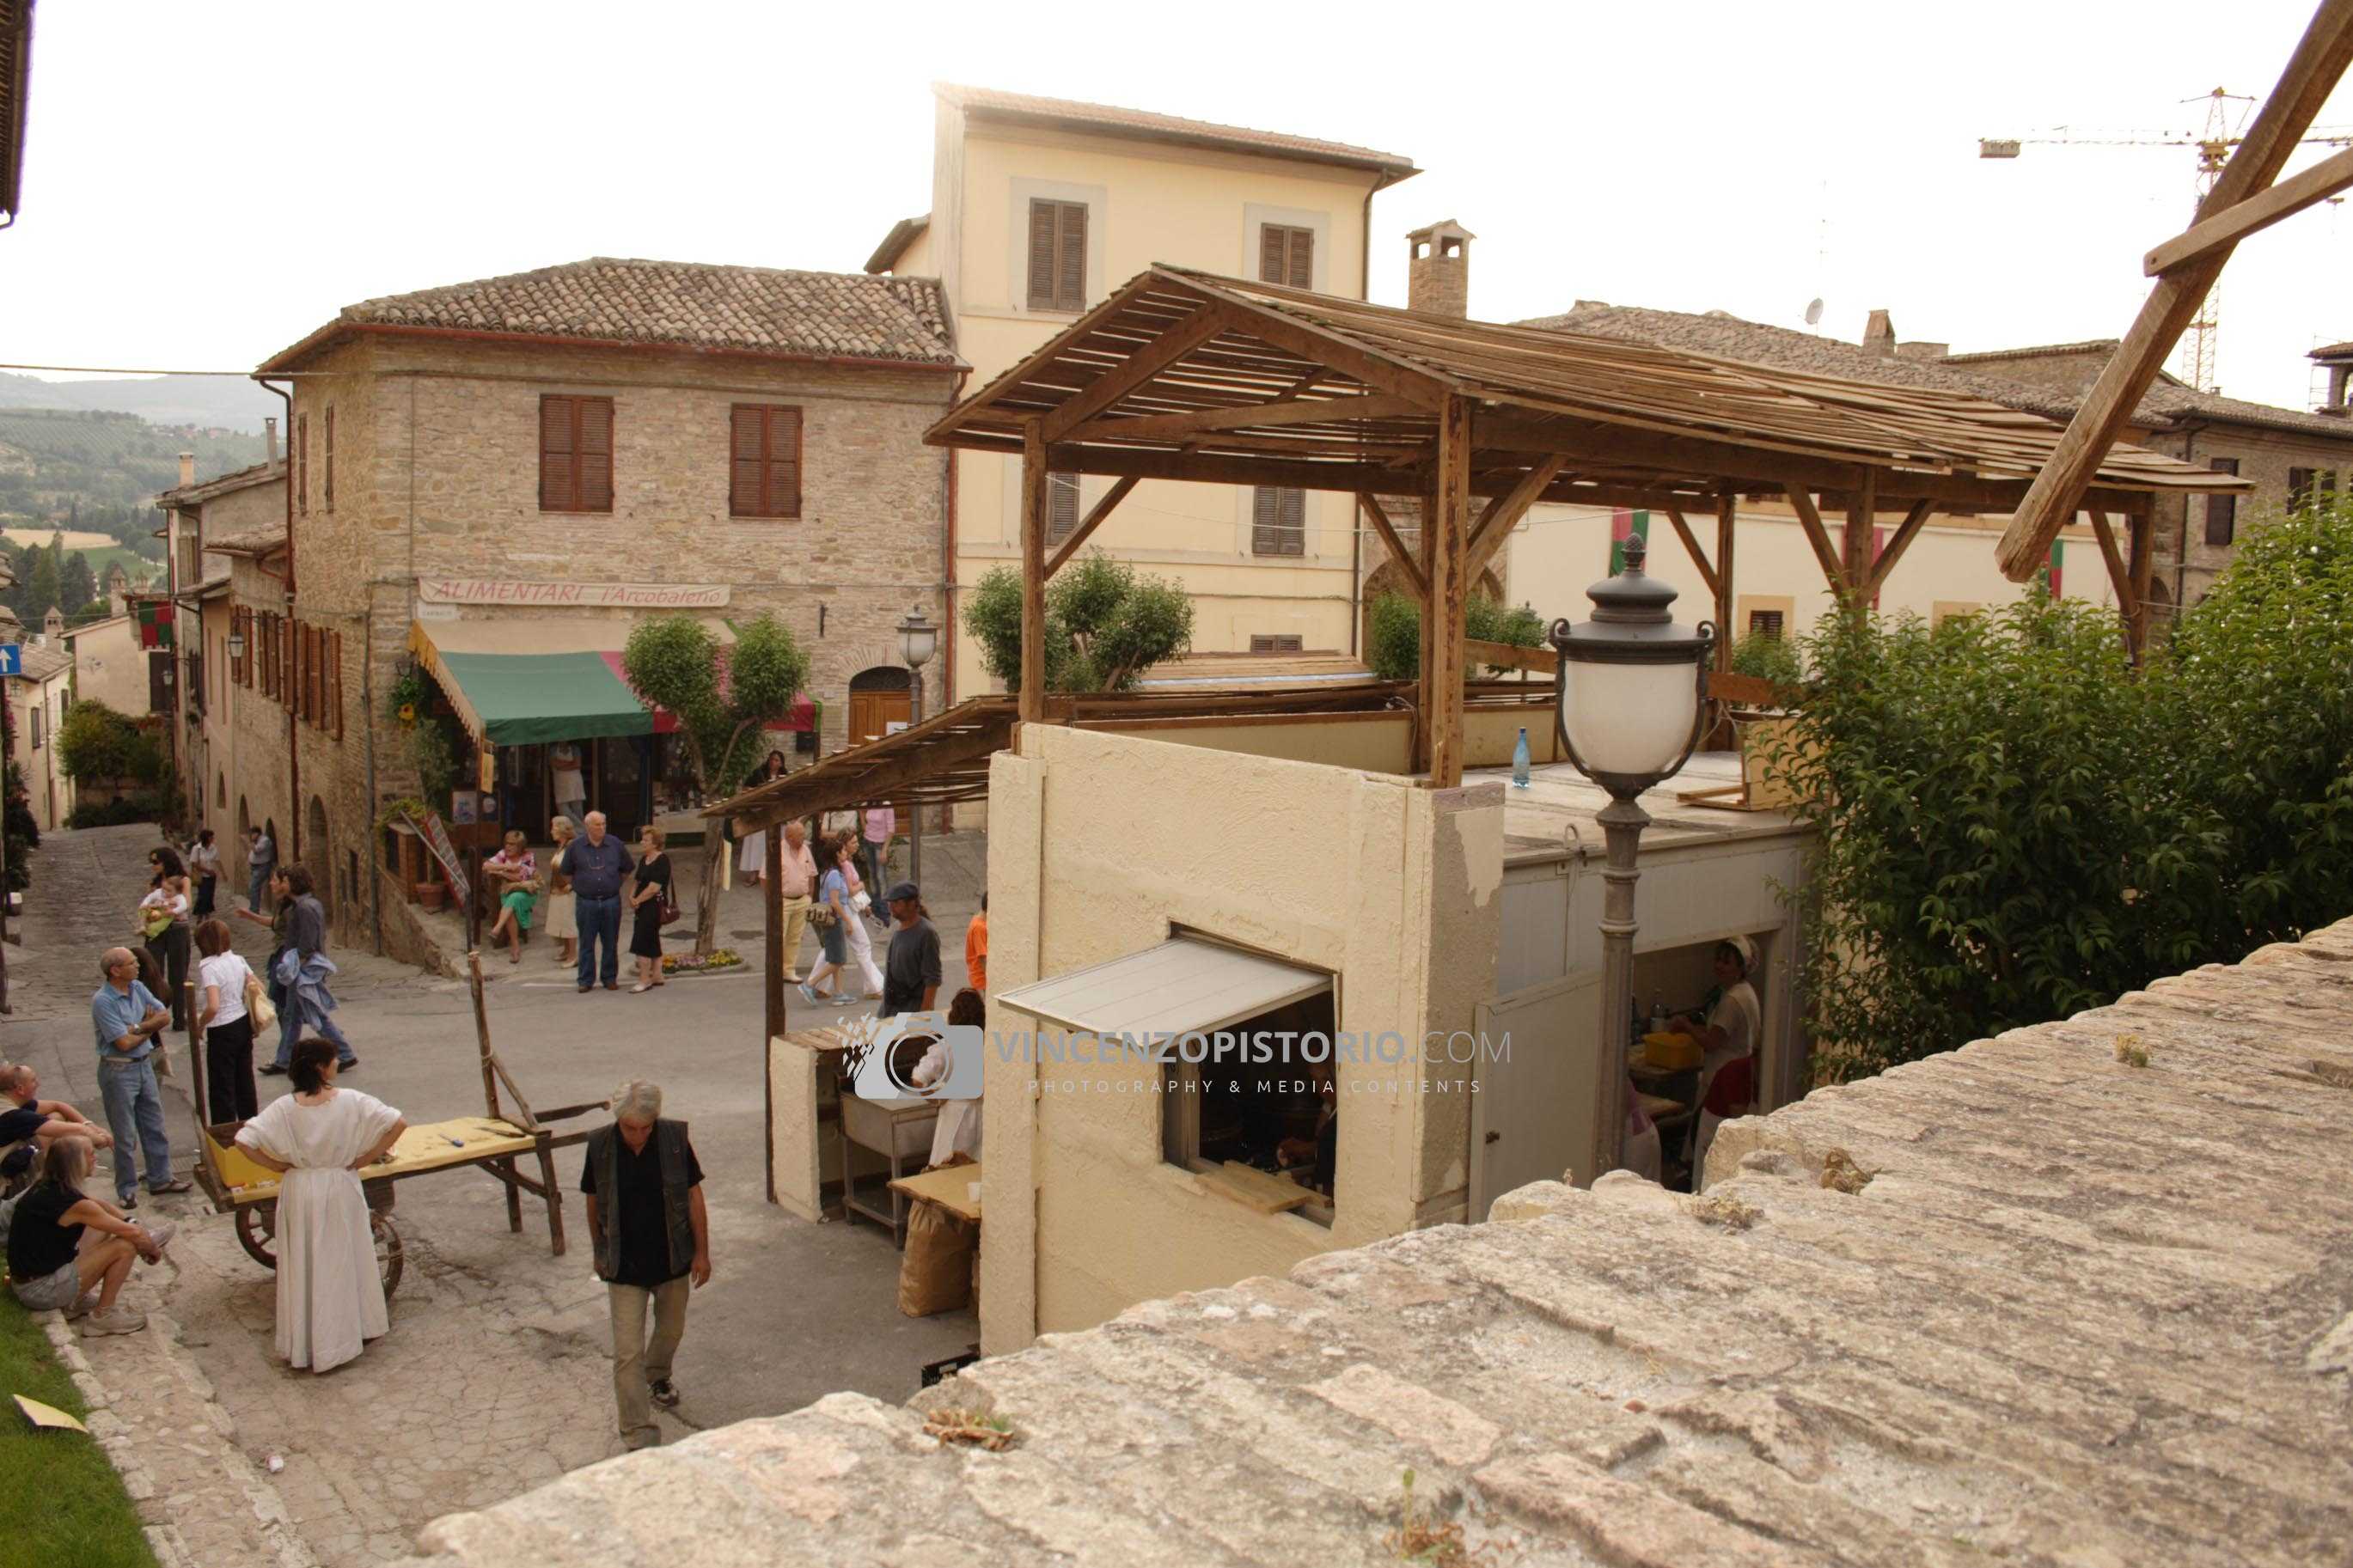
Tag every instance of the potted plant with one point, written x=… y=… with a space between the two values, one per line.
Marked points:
x=1764 y=725
x=432 y=895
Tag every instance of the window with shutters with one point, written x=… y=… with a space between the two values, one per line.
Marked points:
x=259 y=650
x=1286 y=255
x=328 y=478
x=1765 y=623
x=1058 y=255
x=239 y=670
x=285 y=661
x=575 y=454
x=303 y=463
x=2222 y=511
x=764 y=460
x=335 y=684
x=1061 y=506
x=1278 y=522
x=1279 y=643
x=2305 y=485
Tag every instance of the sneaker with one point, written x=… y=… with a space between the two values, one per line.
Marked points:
x=663 y=1392
x=274 y=1070
x=83 y=1306
x=351 y=1066
x=808 y=996
x=162 y=1234
x=173 y=1187
x=118 y=1321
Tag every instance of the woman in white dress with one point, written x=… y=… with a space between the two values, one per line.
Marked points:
x=752 y=857
x=1727 y=1038
x=558 y=916
x=318 y=1138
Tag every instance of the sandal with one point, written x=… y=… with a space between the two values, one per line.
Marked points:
x=638 y=988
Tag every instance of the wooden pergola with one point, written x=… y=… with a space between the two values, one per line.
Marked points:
x=1183 y=375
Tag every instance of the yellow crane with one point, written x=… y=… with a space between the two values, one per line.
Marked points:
x=2212 y=145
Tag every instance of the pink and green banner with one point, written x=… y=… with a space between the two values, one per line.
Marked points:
x=2058 y=563
x=1625 y=525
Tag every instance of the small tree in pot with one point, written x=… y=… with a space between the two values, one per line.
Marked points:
x=724 y=698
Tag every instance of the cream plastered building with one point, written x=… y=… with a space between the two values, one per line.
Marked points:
x=1040 y=209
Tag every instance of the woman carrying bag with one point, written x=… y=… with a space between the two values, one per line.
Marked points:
x=229 y=992
x=650 y=901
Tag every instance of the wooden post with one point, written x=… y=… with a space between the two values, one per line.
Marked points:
x=1861 y=507
x=490 y=1082
x=1446 y=535
x=2143 y=563
x=1033 y=573
x=1727 y=508
x=773 y=906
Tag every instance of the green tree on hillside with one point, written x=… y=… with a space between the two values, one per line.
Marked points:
x=39 y=577
x=78 y=584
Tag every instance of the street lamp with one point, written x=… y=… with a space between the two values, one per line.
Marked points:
x=918 y=640
x=236 y=644
x=1629 y=709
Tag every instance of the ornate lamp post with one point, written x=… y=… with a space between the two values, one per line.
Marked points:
x=918 y=640
x=1629 y=708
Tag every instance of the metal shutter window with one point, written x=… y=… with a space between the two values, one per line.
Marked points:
x=1182 y=986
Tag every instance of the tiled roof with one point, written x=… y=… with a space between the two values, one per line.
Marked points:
x=2334 y=351
x=903 y=233
x=42 y=662
x=2168 y=402
x=1101 y=117
x=242 y=478
x=753 y=309
x=252 y=541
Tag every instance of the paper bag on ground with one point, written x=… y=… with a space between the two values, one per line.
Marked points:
x=935 y=1271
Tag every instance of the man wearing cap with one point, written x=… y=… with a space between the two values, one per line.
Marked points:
x=911 y=975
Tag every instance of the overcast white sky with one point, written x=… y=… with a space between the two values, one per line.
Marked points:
x=207 y=183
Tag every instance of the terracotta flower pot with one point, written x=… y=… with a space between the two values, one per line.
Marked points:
x=433 y=895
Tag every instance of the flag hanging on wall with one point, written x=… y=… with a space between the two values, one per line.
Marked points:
x=2058 y=563
x=154 y=624
x=1625 y=525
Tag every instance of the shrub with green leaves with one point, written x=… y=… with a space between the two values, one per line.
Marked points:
x=2012 y=826
x=98 y=744
x=1105 y=624
x=1772 y=658
x=1393 y=646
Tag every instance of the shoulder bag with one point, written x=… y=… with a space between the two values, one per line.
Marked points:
x=256 y=1003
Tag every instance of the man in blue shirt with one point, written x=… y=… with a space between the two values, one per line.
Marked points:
x=597 y=863
x=127 y=1019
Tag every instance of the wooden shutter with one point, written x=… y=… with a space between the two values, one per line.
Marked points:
x=764 y=460
x=335 y=683
x=1278 y=522
x=302 y=671
x=1275 y=643
x=285 y=661
x=1286 y=256
x=303 y=463
x=556 y=465
x=1765 y=623
x=594 y=459
x=330 y=475
x=1061 y=506
x=1058 y=255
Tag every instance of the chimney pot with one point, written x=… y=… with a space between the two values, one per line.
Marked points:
x=269 y=439
x=187 y=469
x=1437 y=272
x=1879 y=335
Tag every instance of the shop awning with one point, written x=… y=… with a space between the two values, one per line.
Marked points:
x=1182 y=985
x=520 y=681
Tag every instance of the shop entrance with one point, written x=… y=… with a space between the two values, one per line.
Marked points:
x=879 y=697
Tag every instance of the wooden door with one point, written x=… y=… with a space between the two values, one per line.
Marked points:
x=872 y=714
x=1532 y=1118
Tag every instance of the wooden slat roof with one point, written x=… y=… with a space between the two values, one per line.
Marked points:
x=1328 y=393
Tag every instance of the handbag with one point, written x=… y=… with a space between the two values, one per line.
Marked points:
x=670 y=909
x=821 y=914
x=860 y=902
x=256 y=1003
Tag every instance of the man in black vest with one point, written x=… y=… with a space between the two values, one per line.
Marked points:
x=645 y=1221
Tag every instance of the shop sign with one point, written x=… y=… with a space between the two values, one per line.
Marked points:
x=565 y=596
x=437 y=838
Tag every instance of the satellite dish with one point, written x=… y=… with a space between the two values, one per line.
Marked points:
x=1813 y=312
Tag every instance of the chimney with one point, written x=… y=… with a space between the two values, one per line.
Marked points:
x=1879 y=335
x=1437 y=277
x=187 y=469
x=269 y=439
x=1923 y=351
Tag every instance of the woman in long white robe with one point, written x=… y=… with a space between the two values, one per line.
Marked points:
x=329 y=1294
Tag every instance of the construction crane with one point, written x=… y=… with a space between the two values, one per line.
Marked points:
x=2211 y=143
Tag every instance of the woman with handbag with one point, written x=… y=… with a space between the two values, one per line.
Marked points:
x=233 y=1008
x=853 y=925
x=829 y=916
x=654 y=907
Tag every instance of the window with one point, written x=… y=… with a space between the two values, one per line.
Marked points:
x=1277 y=642
x=329 y=477
x=303 y=463
x=1061 y=506
x=1286 y=256
x=40 y=712
x=764 y=460
x=1254 y=1112
x=1058 y=255
x=335 y=684
x=2305 y=485
x=2221 y=512
x=1765 y=623
x=1278 y=522
x=575 y=454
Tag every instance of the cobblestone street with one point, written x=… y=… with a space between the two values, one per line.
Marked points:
x=495 y=1377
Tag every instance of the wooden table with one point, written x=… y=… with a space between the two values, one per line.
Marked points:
x=950 y=1187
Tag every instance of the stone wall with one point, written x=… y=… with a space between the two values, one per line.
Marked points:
x=2025 y=1302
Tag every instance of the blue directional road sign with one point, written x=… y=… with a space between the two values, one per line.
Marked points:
x=12 y=658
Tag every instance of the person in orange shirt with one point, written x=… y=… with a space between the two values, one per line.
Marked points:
x=975 y=948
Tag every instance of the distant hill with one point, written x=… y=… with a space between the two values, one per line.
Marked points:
x=228 y=402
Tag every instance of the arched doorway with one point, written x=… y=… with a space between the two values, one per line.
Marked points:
x=880 y=696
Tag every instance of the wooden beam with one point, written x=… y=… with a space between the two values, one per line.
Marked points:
x=1408 y=568
x=1727 y=515
x=1139 y=367
x=2313 y=71
x=1088 y=525
x=1690 y=547
x=1034 y=504
x=1504 y=513
x=1861 y=510
x=1320 y=345
x=1507 y=656
x=1443 y=624
x=1906 y=532
x=1303 y=411
x=2120 y=579
x=1820 y=538
x=2257 y=213
x=2144 y=563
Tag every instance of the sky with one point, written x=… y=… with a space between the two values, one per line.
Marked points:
x=206 y=184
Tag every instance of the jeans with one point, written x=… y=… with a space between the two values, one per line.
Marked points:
x=134 y=1114
x=598 y=918
x=877 y=866
x=637 y=1362
x=257 y=886
x=296 y=1020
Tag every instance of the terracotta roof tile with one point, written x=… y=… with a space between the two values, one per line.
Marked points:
x=687 y=304
x=1017 y=106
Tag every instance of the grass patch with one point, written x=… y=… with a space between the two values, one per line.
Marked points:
x=79 y=1514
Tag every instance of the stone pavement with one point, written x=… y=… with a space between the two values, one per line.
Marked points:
x=2080 y=1295
x=496 y=1376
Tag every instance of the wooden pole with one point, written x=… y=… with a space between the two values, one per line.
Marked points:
x=1444 y=627
x=1033 y=573
x=772 y=902
x=1861 y=507
x=490 y=1082
x=1423 y=709
x=2143 y=563
x=1727 y=513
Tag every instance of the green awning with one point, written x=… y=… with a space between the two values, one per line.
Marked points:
x=518 y=699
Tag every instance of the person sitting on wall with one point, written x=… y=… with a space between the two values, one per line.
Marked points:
x=514 y=875
x=27 y=1118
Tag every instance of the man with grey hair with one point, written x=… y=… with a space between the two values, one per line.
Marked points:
x=126 y=1019
x=596 y=864
x=652 y=1244
x=26 y=1116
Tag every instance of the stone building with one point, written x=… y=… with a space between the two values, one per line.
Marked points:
x=493 y=481
x=37 y=698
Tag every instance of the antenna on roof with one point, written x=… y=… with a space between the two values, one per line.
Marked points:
x=1813 y=312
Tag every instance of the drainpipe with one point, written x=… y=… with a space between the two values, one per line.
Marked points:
x=294 y=736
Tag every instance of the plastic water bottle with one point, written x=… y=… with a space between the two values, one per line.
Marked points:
x=1520 y=760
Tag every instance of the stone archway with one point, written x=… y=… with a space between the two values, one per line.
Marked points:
x=1386 y=579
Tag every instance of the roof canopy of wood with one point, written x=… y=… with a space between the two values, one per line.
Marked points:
x=1186 y=375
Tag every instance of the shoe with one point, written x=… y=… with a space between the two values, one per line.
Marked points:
x=808 y=996
x=82 y=1308
x=162 y=1234
x=126 y=1204
x=351 y=1066
x=612 y=985
x=173 y=1186
x=649 y=1438
x=639 y=990
x=585 y=989
x=663 y=1392
x=792 y=980
x=118 y=1321
x=273 y=1070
